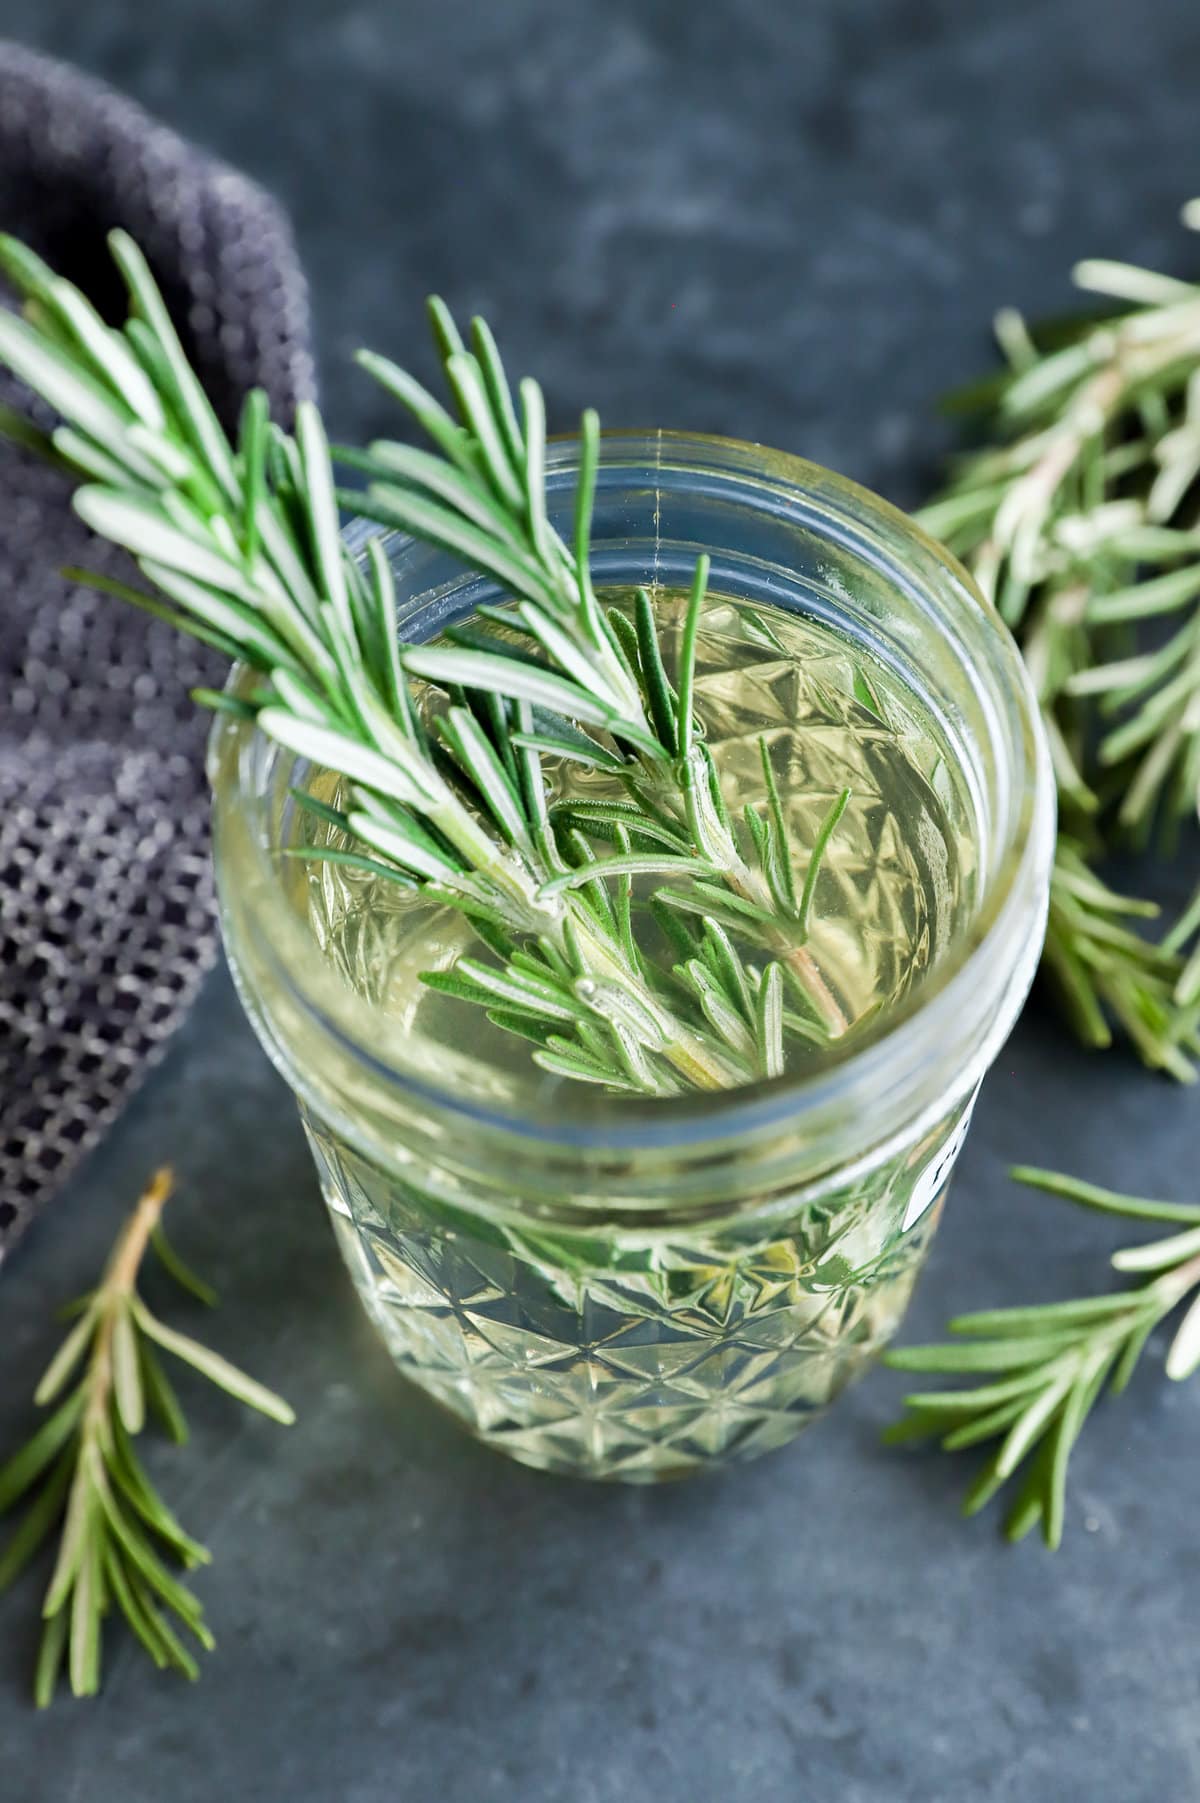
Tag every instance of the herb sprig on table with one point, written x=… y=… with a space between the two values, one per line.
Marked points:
x=1079 y=514
x=80 y=1468
x=1041 y=1370
x=241 y=544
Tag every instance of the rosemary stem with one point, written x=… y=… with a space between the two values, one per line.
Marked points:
x=807 y=973
x=689 y=1054
x=116 y=1287
x=701 y=1065
x=717 y=842
x=1174 y=1285
x=121 y=1274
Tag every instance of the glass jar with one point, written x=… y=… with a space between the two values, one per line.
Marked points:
x=641 y=1290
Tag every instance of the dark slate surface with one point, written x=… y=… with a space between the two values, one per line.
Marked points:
x=790 y=223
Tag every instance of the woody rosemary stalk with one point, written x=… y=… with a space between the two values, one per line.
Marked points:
x=241 y=544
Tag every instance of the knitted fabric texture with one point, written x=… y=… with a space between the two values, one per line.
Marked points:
x=107 y=921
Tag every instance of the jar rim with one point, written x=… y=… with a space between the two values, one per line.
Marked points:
x=881 y=1074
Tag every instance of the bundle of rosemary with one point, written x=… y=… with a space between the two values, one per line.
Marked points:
x=1080 y=517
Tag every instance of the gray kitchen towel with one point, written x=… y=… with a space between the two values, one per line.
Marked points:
x=106 y=910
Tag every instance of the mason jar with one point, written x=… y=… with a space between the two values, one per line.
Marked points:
x=633 y=1289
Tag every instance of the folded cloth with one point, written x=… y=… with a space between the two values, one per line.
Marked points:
x=106 y=912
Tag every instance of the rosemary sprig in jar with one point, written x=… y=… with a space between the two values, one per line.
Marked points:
x=241 y=541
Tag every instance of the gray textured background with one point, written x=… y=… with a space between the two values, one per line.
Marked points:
x=789 y=222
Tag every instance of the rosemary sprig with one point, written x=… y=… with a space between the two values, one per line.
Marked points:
x=241 y=542
x=1043 y=1369
x=81 y=1467
x=1080 y=518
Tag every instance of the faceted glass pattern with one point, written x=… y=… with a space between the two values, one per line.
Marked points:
x=637 y=1357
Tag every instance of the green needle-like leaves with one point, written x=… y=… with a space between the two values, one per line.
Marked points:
x=1044 y=1368
x=1104 y=971
x=439 y=748
x=79 y=1468
x=1078 y=518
